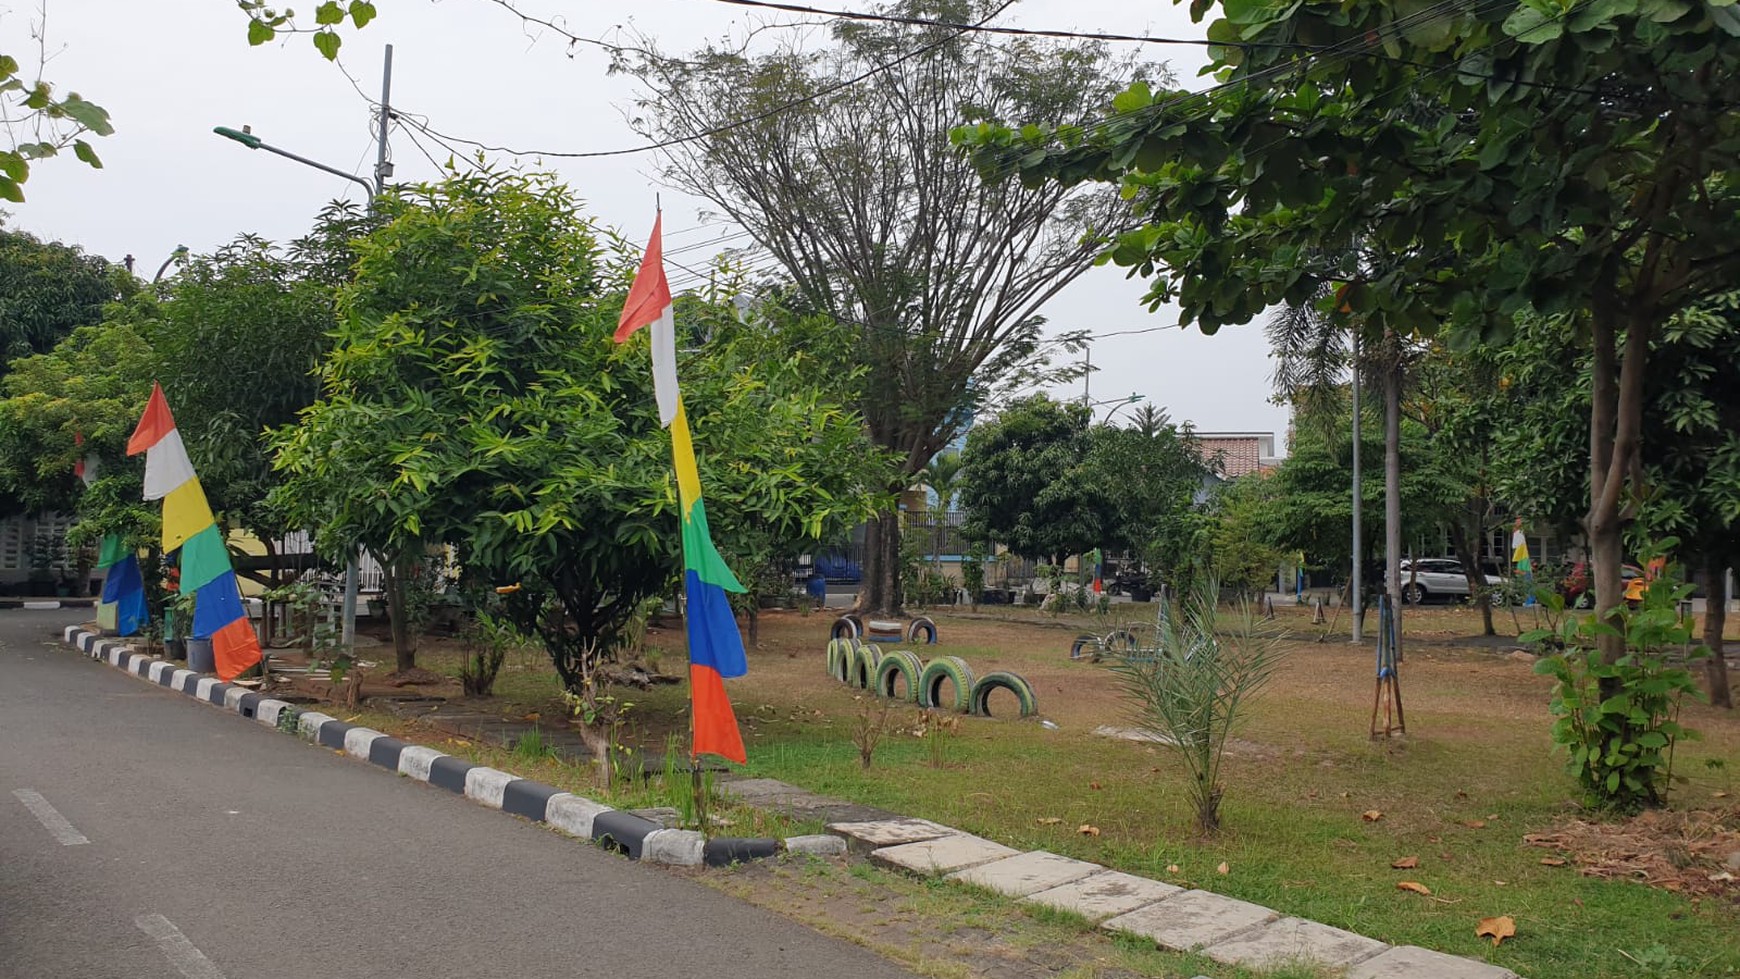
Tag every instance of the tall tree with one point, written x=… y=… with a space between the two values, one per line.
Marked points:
x=475 y=398
x=47 y=289
x=854 y=190
x=1572 y=157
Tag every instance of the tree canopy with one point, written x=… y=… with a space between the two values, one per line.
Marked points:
x=47 y=289
x=879 y=223
x=1571 y=158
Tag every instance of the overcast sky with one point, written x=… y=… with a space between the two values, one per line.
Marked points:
x=170 y=70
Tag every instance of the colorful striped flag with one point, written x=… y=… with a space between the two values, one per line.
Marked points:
x=122 y=606
x=1519 y=550
x=715 y=647
x=188 y=526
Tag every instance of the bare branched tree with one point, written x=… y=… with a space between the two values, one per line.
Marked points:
x=856 y=191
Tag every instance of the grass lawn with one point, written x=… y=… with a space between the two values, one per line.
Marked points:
x=1473 y=776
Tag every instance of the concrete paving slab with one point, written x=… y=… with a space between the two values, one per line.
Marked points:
x=1188 y=921
x=941 y=855
x=1294 y=940
x=1105 y=895
x=1410 y=962
x=1026 y=873
x=890 y=832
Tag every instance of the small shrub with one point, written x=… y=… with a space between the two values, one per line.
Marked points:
x=1192 y=689
x=938 y=730
x=869 y=727
x=1618 y=723
x=486 y=641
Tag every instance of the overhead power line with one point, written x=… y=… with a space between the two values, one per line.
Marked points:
x=797 y=8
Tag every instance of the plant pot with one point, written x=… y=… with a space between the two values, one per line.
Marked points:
x=175 y=648
x=1141 y=594
x=199 y=656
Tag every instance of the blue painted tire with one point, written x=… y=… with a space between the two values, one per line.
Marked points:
x=921 y=626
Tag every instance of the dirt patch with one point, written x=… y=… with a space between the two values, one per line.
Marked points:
x=1692 y=852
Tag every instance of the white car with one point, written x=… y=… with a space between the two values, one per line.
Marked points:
x=1426 y=578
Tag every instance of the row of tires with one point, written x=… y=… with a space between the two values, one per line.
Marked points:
x=946 y=681
x=853 y=626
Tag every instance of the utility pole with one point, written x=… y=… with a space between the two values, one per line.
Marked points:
x=383 y=170
x=1358 y=610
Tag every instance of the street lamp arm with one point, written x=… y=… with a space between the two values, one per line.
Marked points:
x=255 y=143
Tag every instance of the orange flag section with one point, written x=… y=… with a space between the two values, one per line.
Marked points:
x=154 y=424
x=715 y=725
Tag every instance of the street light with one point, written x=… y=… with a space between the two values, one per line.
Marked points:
x=1121 y=404
x=245 y=137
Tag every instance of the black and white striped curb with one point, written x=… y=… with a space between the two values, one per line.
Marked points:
x=624 y=832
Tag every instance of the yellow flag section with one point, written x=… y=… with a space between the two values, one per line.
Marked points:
x=190 y=530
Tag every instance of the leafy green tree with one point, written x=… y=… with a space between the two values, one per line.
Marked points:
x=47 y=289
x=1573 y=158
x=266 y=306
x=1153 y=472
x=855 y=192
x=1310 y=508
x=475 y=398
x=80 y=399
x=1026 y=484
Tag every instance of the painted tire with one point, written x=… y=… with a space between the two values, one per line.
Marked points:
x=946 y=669
x=1121 y=642
x=845 y=627
x=900 y=664
x=862 y=672
x=846 y=659
x=921 y=626
x=999 y=680
x=1086 y=646
x=836 y=649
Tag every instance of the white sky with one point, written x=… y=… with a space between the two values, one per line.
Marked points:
x=170 y=70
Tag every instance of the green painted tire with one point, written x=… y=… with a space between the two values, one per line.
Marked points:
x=837 y=649
x=846 y=660
x=946 y=669
x=999 y=680
x=863 y=671
x=900 y=664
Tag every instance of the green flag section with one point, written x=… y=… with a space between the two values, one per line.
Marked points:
x=113 y=551
x=203 y=558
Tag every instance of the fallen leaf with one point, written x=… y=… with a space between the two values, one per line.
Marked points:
x=1721 y=876
x=1434 y=839
x=1474 y=823
x=1172 y=868
x=1049 y=820
x=1461 y=794
x=1413 y=885
x=1552 y=862
x=534 y=715
x=1345 y=795
x=1405 y=863
x=1492 y=817
x=1498 y=929
x=1094 y=785
x=1371 y=815
x=1499 y=883
x=1446 y=857
x=1223 y=868
x=1088 y=830
x=1718 y=795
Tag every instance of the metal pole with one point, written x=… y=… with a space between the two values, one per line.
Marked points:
x=1354 y=592
x=1087 y=376
x=382 y=170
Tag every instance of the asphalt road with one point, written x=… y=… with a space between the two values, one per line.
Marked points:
x=144 y=836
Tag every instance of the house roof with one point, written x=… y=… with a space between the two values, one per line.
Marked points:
x=1237 y=453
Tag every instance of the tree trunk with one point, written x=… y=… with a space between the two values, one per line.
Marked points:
x=1715 y=620
x=393 y=583
x=1393 y=489
x=879 y=592
x=754 y=617
x=1615 y=424
x=1462 y=537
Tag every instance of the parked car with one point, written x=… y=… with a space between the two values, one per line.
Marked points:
x=1426 y=578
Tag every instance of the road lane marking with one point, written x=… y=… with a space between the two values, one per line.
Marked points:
x=49 y=817
x=187 y=960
